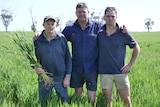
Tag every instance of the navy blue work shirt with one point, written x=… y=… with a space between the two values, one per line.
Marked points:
x=112 y=50
x=84 y=46
x=54 y=55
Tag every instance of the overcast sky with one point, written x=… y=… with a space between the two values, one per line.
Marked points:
x=130 y=12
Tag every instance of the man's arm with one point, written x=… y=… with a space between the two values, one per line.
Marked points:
x=135 y=53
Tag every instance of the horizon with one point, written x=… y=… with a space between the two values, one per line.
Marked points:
x=130 y=13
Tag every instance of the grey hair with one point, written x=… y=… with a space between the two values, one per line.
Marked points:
x=81 y=4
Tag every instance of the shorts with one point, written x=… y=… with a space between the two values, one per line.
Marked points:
x=78 y=80
x=121 y=81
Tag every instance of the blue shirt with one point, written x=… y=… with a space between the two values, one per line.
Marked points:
x=84 y=46
x=112 y=50
x=54 y=55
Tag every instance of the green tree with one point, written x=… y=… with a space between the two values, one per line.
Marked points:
x=148 y=24
x=6 y=17
x=33 y=26
x=97 y=16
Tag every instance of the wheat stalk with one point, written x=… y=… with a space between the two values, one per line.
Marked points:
x=27 y=49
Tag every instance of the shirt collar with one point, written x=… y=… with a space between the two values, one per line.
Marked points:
x=89 y=23
x=49 y=39
x=118 y=28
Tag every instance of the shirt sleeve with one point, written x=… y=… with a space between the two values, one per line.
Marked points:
x=68 y=60
x=130 y=41
x=66 y=33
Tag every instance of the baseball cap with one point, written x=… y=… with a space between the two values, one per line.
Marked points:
x=49 y=17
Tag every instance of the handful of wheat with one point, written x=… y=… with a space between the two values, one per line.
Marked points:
x=27 y=49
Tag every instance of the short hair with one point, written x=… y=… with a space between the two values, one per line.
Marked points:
x=81 y=5
x=108 y=9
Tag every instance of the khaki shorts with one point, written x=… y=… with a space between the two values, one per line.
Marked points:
x=121 y=81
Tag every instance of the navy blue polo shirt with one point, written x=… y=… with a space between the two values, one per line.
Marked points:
x=112 y=50
x=84 y=46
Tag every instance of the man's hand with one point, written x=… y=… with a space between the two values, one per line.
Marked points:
x=38 y=70
x=124 y=29
x=66 y=81
x=126 y=68
x=36 y=35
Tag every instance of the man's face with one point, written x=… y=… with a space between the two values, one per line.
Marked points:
x=110 y=18
x=82 y=14
x=50 y=26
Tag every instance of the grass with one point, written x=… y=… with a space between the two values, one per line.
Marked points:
x=18 y=85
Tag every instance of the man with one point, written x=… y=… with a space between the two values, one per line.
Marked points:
x=83 y=36
x=112 y=52
x=53 y=54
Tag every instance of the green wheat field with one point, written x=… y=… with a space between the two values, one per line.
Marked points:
x=19 y=88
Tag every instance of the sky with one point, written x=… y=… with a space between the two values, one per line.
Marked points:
x=131 y=13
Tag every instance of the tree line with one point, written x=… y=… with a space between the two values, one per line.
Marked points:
x=7 y=17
